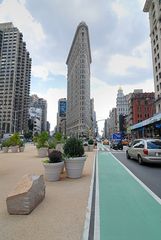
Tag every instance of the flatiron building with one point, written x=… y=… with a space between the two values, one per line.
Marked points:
x=78 y=84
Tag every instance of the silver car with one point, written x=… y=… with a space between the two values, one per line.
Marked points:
x=145 y=150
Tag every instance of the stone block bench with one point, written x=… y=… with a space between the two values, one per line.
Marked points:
x=27 y=194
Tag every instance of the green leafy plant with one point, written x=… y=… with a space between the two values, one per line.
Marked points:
x=90 y=141
x=73 y=148
x=21 y=144
x=55 y=157
x=52 y=143
x=6 y=143
x=42 y=140
x=58 y=137
x=15 y=139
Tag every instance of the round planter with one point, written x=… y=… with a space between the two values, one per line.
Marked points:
x=52 y=171
x=14 y=149
x=5 y=149
x=42 y=152
x=90 y=148
x=74 y=166
x=86 y=148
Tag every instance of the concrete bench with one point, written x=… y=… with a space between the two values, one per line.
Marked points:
x=27 y=194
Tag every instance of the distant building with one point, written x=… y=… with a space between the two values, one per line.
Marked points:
x=48 y=127
x=15 y=75
x=112 y=121
x=61 y=116
x=78 y=84
x=154 y=9
x=107 y=128
x=122 y=107
x=37 y=102
x=35 y=120
x=141 y=106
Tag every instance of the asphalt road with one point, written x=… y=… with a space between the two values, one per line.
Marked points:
x=149 y=174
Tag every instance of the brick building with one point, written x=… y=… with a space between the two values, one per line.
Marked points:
x=141 y=106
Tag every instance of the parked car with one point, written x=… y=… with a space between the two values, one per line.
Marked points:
x=105 y=142
x=116 y=144
x=145 y=150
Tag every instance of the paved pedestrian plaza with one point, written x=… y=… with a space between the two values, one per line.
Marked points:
x=62 y=213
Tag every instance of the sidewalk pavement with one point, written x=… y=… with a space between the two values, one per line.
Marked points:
x=62 y=213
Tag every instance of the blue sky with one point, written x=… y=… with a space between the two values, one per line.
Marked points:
x=119 y=39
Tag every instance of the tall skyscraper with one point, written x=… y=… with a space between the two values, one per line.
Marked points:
x=78 y=83
x=37 y=102
x=15 y=73
x=154 y=9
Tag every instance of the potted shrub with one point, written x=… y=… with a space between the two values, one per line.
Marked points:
x=53 y=166
x=21 y=146
x=14 y=142
x=42 y=144
x=90 y=145
x=75 y=158
x=5 y=145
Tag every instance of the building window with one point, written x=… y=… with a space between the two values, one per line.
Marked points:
x=160 y=75
x=157 y=87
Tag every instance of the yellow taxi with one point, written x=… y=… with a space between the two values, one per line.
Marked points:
x=105 y=142
x=125 y=142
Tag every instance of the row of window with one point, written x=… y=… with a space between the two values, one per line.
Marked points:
x=158 y=76
x=155 y=40
x=156 y=48
x=157 y=58
x=157 y=67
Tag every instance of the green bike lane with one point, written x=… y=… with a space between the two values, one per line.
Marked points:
x=126 y=210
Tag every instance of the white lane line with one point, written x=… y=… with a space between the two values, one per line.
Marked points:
x=88 y=210
x=139 y=181
x=97 y=206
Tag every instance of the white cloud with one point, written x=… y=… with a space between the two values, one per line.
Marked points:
x=120 y=64
x=15 y=11
x=139 y=58
x=143 y=50
x=52 y=96
x=40 y=72
x=43 y=71
x=119 y=10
